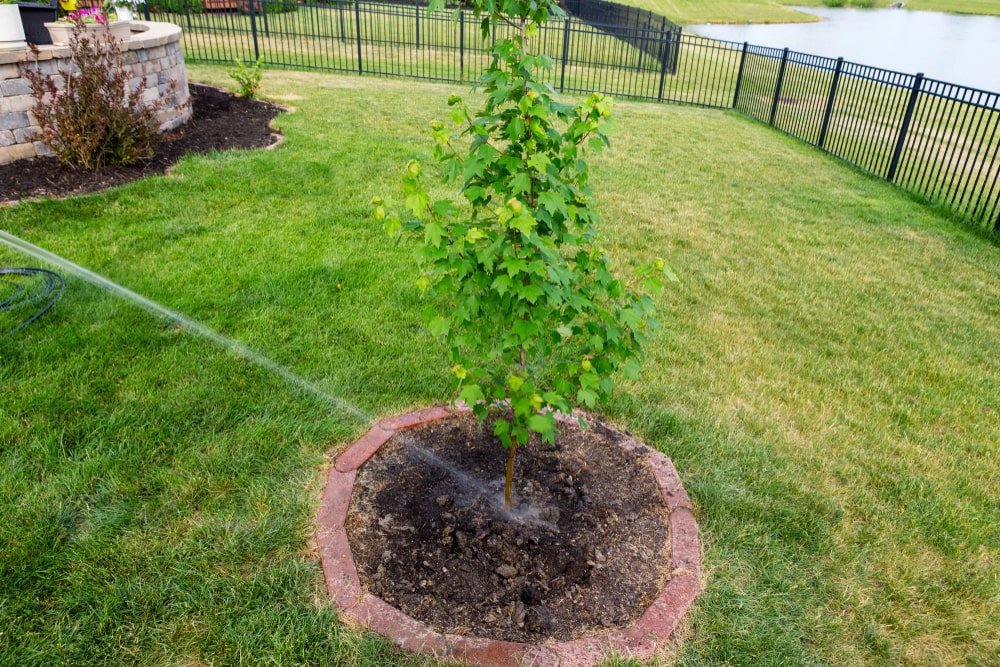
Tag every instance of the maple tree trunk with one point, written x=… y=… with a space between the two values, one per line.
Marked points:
x=510 y=475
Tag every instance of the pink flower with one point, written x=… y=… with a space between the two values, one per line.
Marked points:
x=90 y=15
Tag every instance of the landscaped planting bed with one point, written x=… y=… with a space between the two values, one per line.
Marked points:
x=221 y=121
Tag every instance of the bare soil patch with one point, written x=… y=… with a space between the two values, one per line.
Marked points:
x=585 y=550
x=220 y=121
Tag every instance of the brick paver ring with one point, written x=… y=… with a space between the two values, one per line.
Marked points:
x=650 y=633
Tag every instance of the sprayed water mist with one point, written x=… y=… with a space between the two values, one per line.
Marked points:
x=490 y=491
x=151 y=306
x=475 y=487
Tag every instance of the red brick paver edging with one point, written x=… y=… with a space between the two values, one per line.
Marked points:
x=642 y=640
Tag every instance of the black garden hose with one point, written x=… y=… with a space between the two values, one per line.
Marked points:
x=45 y=288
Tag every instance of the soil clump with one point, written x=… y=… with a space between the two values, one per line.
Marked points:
x=220 y=121
x=584 y=550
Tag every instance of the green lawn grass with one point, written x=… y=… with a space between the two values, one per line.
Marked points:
x=723 y=11
x=980 y=7
x=946 y=157
x=772 y=11
x=827 y=384
x=404 y=41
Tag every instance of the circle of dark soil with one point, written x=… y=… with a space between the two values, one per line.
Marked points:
x=220 y=121
x=585 y=549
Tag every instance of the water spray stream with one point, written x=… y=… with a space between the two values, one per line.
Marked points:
x=468 y=483
x=251 y=355
x=476 y=490
x=151 y=306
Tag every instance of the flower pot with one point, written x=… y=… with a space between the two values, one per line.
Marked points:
x=61 y=33
x=34 y=16
x=11 y=30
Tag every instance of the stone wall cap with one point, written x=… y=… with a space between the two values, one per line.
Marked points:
x=152 y=34
x=146 y=35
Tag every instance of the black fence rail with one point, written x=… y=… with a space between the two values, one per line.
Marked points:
x=935 y=139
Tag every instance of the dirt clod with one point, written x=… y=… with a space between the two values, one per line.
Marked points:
x=507 y=571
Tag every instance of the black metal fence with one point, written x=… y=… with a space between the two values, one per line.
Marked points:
x=632 y=25
x=936 y=139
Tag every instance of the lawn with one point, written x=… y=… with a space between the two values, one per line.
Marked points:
x=981 y=7
x=686 y=12
x=948 y=155
x=404 y=41
x=827 y=383
x=772 y=11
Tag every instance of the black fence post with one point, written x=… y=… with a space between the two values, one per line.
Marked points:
x=829 y=102
x=187 y=13
x=676 y=39
x=739 y=75
x=357 y=26
x=664 y=42
x=253 y=29
x=918 y=80
x=343 y=28
x=416 y=13
x=263 y=14
x=145 y=10
x=777 y=86
x=643 y=45
x=565 y=55
x=664 y=62
x=461 y=46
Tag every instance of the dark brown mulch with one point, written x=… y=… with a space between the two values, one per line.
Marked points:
x=586 y=550
x=220 y=121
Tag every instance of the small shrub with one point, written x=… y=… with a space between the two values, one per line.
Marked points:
x=248 y=78
x=95 y=119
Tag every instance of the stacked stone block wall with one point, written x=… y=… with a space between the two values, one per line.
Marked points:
x=157 y=65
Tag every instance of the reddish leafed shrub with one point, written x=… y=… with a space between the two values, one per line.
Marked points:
x=95 y=118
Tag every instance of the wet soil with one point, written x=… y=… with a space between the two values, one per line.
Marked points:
x=585 y=549
x=220 y=121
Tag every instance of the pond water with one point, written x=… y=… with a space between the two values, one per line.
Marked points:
x=948 y=47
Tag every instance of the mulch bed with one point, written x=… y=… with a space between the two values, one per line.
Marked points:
x=585 y=550
x=220 y=121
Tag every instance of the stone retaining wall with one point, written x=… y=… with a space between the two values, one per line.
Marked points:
x=153 y=54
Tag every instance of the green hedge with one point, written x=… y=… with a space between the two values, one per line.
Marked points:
x=197 y=6
x=272 y=7
x=176 y=6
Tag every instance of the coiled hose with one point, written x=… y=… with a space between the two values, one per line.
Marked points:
x=44 y=287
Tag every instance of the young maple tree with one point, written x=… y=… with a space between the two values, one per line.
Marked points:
x=524 y=297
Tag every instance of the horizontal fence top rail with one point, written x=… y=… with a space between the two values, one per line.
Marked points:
x=830 y=63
